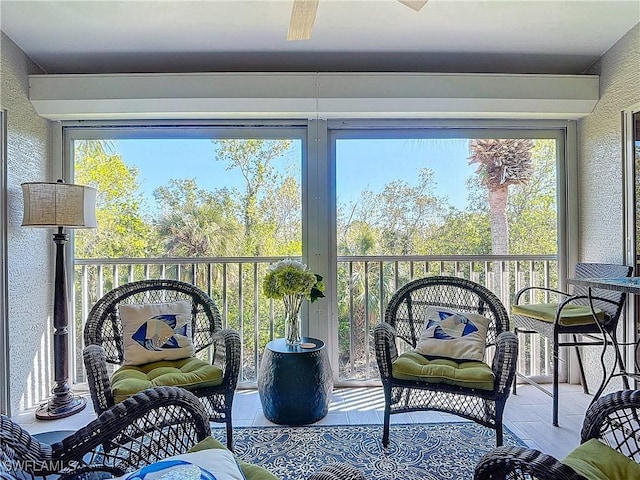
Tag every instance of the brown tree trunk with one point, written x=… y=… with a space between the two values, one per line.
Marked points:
x=498 y=216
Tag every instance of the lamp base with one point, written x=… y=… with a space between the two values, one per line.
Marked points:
x=61 y=407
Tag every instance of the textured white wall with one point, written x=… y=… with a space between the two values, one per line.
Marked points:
x=601 y=222
x=30 y=251
x=600 y=152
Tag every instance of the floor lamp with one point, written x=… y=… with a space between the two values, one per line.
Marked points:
x=59 y=205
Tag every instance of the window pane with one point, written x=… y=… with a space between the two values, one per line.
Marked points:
x=446 y=196
x=421 y=198
x=213 y=212
x=192 y=197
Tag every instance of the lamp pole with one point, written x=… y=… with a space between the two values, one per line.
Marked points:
x=62 y=403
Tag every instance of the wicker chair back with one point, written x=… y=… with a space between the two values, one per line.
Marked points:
x=602 y=270
x=104 y=326
x=406 y=309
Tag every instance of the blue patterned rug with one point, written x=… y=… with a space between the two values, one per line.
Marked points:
x=433 y=451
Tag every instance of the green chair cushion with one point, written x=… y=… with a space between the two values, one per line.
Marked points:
x=597 y=461
x=569 y=316
x=252 y=472
x=187 y=372
x=470 y=374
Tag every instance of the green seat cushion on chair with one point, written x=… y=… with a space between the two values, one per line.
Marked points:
x=596 y=461
x=186 y=372
x=252 y=472
x=469 y=374
x=569 y=316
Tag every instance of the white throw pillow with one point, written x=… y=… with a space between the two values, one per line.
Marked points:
x=451 y=334
x=156 y=331
x=210 y=464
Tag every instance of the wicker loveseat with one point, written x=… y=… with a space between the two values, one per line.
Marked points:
x=145 y=428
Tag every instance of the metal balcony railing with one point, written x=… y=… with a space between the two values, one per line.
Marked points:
x=364 y=286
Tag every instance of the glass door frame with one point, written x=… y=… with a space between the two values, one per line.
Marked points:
x=319 y=183
x=631 y=222
x=5 y=398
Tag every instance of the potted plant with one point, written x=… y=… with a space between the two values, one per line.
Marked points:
x=291 y=281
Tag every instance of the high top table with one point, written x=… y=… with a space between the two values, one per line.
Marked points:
x=630 y=285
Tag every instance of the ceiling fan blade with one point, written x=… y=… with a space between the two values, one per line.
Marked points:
x=413 y=4
x=303 y=14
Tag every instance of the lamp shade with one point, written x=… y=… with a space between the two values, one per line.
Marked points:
x=57 y=204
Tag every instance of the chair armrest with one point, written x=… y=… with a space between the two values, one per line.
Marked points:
x=522 y=291
x=146 y=427
x=95 y=364
x=504 y=463
x=504 y=362
x=615 y=418
x=338 y=471
x=20 y=453
x=227 y=356
x=385 y=344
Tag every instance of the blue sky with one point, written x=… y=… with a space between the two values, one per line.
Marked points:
x=361 y=164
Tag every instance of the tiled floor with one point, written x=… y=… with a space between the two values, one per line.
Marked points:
x=528 y=415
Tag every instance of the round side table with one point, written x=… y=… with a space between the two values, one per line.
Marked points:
x=295 y=383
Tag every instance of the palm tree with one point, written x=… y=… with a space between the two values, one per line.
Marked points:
x=198 y=231
x=501 y=162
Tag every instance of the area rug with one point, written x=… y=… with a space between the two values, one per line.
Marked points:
x=417 y=451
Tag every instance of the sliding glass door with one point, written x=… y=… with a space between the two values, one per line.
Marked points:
x=480 y=204
x=210 y=206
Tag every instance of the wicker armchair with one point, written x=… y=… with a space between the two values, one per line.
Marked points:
x=145 y=428
x=403 y=323
x=562 y=319
x=613 y=419
x=149 y=426
x=103 y=339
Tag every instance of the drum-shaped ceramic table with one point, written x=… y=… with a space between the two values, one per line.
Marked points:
x=295 y=383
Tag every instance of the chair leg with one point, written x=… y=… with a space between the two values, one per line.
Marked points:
x=499 y=433
x=620 y=360
x=229 y=421
x=229 y=435
x=515 y=377
x=387 y=416
x=555 y=379
x=583 y=379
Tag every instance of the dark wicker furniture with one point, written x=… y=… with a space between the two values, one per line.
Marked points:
x=145 y=428
x=149 y=426
x=402 y=326
x=610 y=302
x=104 y=343
x=612 y=418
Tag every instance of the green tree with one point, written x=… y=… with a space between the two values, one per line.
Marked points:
x=281 y=222
x=402 y=216
x=253 y=158
x=194 y=222
x=122 y=229
x=532 y=208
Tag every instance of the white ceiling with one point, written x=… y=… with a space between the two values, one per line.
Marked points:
x=507 y=36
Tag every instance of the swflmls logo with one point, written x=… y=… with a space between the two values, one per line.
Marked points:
x=32 y=466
